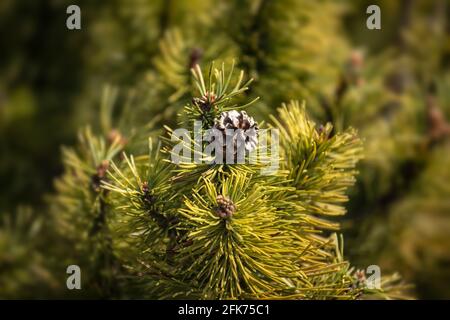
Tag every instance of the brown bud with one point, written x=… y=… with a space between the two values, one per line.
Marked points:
x=148 y=198
x=195 y=56
x=97 y=178
x=225 y=207
x=206 y=102
x=102 y=168
x=438 y=127
x=115 y=136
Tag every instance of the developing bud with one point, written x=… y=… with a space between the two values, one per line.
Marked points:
x=206 y=102
x=225 y=207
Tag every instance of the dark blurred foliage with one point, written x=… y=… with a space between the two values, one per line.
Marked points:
x=42 y=71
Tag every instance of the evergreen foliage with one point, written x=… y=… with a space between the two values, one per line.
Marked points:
x=159 y=229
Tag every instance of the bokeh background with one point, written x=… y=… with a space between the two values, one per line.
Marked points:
x=392 y=84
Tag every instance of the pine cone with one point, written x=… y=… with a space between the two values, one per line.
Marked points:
x=234 y=120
